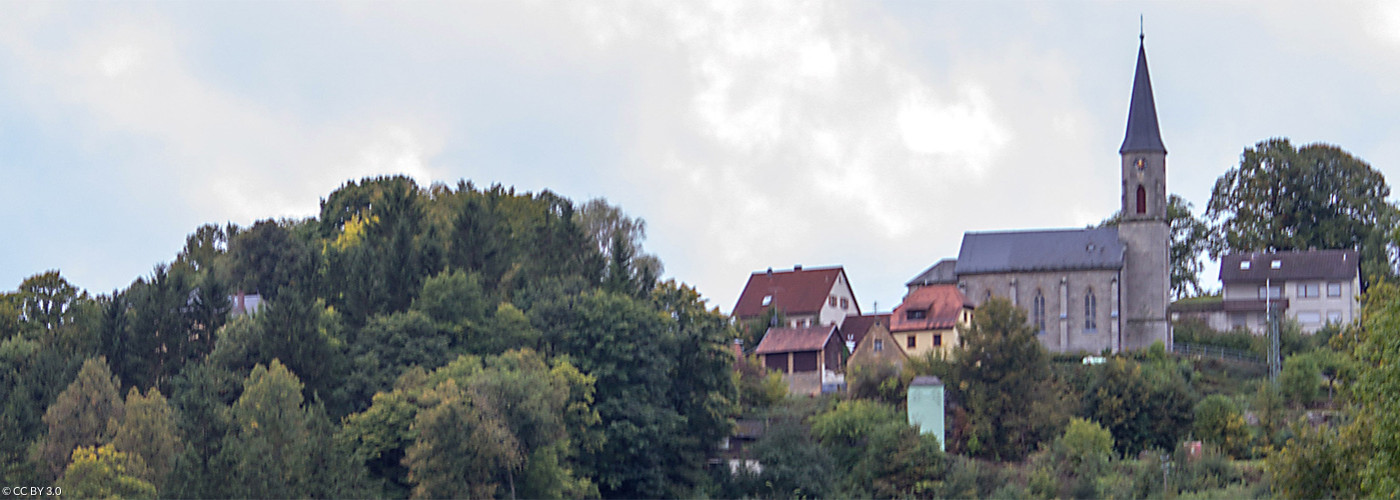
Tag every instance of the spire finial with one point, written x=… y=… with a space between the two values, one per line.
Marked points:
x=1141 y=37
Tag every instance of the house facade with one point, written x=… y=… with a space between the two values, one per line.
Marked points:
x=809 y=357
x=875 y=345
x=927 y=320
x=805 y=296
x=1314 y=287
x=1087 y=289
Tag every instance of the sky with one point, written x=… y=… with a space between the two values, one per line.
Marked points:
x=748 y=135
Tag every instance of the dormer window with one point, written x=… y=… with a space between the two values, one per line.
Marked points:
x=913 y=315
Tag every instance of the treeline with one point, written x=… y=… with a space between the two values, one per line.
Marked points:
x=425 y=342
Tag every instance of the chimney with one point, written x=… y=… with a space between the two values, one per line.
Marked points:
x=738 y=349
x=797 y=267
x=770 y=271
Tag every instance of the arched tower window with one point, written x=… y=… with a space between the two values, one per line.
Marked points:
x=1141 y=200
x=1038 y=312
x=1091 y=311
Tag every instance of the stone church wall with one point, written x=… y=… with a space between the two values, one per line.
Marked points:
x=1064 y=291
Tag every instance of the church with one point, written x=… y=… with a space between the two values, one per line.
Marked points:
x=1085 y=290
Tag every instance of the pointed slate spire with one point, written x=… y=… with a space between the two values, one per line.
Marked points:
x=1143 y=134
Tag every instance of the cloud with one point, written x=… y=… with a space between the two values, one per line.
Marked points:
x=802 y=134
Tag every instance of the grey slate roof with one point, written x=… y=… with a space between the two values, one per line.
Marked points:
x=1296 y=265
x=1040 y=250
x=925 y=380
x=1143 y=134
x=944 y=272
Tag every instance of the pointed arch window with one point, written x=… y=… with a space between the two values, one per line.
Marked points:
x=1141 y=200
x=1091 y=311
x=1038 y=312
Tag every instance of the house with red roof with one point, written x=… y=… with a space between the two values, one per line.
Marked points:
x=809 y=357
x=928 y=317
x=806 y=297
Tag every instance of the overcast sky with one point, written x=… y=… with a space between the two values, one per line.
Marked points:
x=748 y=134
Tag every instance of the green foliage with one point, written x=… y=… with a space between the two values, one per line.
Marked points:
x=269 y=257
x=882 y=382
x=1300 y=379
x=1377 y=385
x=1144 y=405
x=460 y=448
x=275 y=446
x=793 y=466
x=1321 y=462
x=1219 y=423
x=102 y=472
x=1072 y=465
x=148 y=431
x=1000 y=378
x=85 y=414
x=758 y=387
x=1316 y=196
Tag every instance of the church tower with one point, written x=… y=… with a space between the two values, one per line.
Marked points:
x=1144 y=229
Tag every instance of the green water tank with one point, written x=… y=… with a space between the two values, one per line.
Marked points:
x=926 y=407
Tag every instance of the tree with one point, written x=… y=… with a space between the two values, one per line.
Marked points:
x=1144 y=405
x=47 y=300
x=103 y=472
x=1075 y=461
x=1299 y=379
x=279 y=447
x=268 y=257
x=1190 y=239
x=85 y=414
x=1001 y=378
x=462 y=444
x=1378 y=417
x=148 y=431
x=1219 y=423
x=618 y=239
x=1318 y=196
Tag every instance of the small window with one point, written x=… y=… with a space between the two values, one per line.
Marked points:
x=1277 y=264
x=845 y=304
x=937 y=339
x=831 y=301
x=1239 y=320
x=1272 y=292
x=913 y=315
x=1309 y=290
x=1244 y=265
x=1038 y=312
x=1334 y=316
x=1091 y=312
x=1141 y=200
x=1334 y=289
x=1309 y=318
x=767 y=299
x=879 y=345
x=912 y=342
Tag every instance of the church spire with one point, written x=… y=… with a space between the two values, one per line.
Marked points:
x=1143 y=134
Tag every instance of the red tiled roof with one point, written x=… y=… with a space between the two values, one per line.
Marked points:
x=942 y=304
x=802 y=291
x=856 y=325
x=810 y=338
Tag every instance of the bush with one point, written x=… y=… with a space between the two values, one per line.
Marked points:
x=1299 y=379
x=882 y=382
x=1219 y=423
